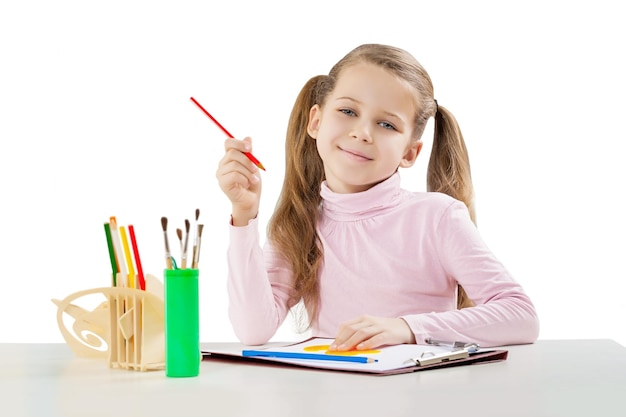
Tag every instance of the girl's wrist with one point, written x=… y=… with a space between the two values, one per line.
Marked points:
x=242 y=218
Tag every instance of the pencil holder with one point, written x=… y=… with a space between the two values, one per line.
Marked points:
x=127 y=328
x=182 y=330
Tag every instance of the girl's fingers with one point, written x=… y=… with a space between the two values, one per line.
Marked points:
x=232 y=172
x=368 y=332
x=351 y=333
x=239 y=179
x=244 y=145
x=235 y=151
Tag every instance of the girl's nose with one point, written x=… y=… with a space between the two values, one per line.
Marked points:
x=361 y=131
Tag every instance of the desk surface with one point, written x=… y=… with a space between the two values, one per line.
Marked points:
x=548 y=378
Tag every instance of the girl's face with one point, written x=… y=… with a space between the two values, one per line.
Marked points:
x=363 y=132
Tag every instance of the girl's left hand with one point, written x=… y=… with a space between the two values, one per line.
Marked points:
x=367 y=332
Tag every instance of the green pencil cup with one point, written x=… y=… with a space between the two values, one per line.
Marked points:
x=182 y=327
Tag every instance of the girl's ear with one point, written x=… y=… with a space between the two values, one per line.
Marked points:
x=314 y=121
x=410 y=155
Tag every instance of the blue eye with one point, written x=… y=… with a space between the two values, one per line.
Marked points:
x=386 y=125
x=347 y=112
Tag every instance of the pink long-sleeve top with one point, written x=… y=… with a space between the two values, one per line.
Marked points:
x=388 y=252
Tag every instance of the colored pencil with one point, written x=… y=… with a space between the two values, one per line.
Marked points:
x=310 y=356
x=112 y=257
x=118 y=251
x=128 y=257
x=133 y=240
x=248 y=154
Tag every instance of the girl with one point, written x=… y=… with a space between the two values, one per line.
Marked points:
x=372 y=263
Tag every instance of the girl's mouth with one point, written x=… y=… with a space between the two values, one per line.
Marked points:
x=355 y=155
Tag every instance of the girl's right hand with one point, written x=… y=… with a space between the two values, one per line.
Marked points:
x=239 y=179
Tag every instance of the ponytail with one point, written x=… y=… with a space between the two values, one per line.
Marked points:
x=292 y=227
x=449 y=171
x=304 y=169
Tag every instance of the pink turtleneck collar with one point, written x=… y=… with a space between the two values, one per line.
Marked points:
x=356 y=206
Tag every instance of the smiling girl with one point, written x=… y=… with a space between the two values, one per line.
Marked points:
x=372 y=263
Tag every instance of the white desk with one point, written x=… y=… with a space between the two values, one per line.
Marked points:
x=550 y=378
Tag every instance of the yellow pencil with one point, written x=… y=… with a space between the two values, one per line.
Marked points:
x=129 y=259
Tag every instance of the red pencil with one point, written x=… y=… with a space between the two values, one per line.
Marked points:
x=133 y=241
x=248 y=154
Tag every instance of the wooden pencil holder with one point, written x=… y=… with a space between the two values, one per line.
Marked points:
x=127 y=328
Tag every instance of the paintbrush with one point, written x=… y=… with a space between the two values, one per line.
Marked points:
x=195 y=238
x=168 y=255
x=184 y=256
x=179 y=233
x=196 y=259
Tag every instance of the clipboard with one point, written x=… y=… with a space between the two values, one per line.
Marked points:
x=387 y=360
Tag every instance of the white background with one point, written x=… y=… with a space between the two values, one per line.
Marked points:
x=96 y=121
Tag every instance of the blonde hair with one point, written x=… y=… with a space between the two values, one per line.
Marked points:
x=292 y=227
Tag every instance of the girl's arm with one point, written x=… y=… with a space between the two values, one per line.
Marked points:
x=503 y=313
x=258 y=286
x=257 y=306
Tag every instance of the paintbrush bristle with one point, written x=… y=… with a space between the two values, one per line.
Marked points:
x=168 y=258
x=179 y=233
x=187 y=225
x=200 y=227
x=197 y=214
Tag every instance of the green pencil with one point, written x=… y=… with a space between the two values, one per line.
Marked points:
x=107 y=231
